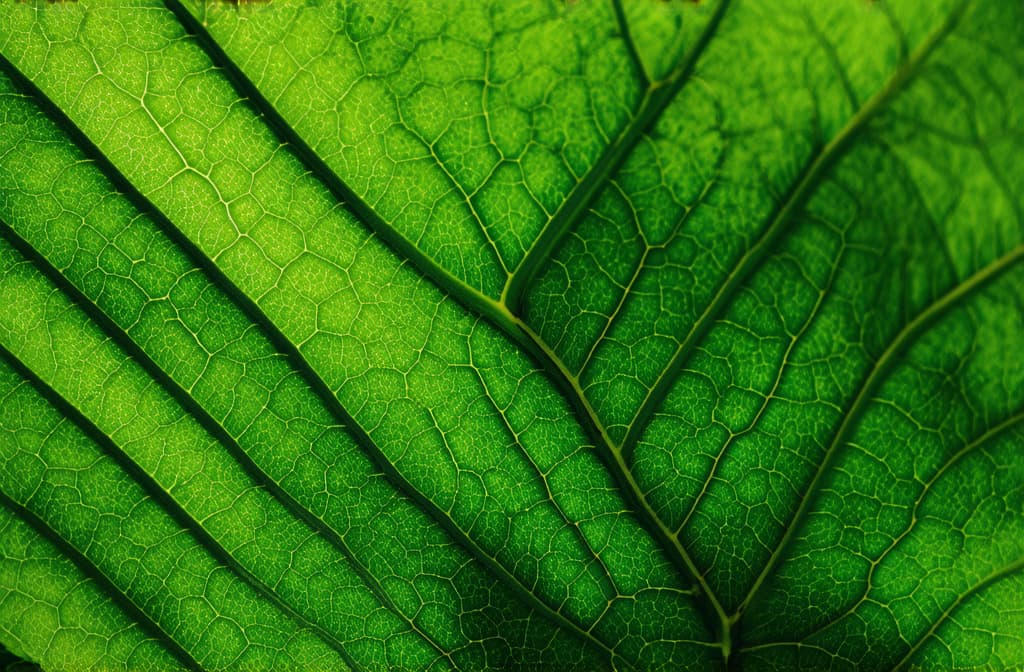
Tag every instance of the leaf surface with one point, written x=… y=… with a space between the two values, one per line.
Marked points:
x=512 y=335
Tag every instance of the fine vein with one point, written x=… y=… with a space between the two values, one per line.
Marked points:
x=879 y=371
x=804 y=186
x=298 y=361
x=993 y=578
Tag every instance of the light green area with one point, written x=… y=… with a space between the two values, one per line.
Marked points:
x=56 y=614
x=564 y=335
x=52 y=469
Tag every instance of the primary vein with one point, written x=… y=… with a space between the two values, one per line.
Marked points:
x=317 y=384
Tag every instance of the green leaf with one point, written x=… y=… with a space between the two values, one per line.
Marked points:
x=512 y=335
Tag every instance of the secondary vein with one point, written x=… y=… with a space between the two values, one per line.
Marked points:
x=91 y=570
x=993 y=578
x=878 y=372
x=656 y=99
x=298 y=361
x=168 y=503
x=209 y=424
x=817 y=165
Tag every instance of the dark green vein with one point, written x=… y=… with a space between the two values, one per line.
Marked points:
x=977 y=141
x=993 y=578
x=624 y=297
x=883 y=365
x=89 y=569
x=284 y=345
x=209 y=424
x=655 y=100
x=833 y=58
x=803 y=188
x=900 y=167
x=628 y=39
x=166 y=501
x=987 y=437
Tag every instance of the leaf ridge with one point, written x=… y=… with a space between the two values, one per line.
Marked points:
x=214 y=428
x=498 y=314
x=167 y=502
x=804 y=185
x=878 y=372
x=624 y=298
x=89 y=569
x=574 y=528
x=631 y=491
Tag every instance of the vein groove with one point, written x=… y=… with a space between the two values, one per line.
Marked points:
x=995 y=432
x=497 y=313
x=87 y=567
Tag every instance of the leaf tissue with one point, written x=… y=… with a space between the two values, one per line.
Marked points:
x=526 y=335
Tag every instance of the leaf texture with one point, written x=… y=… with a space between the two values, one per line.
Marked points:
x=515 y=335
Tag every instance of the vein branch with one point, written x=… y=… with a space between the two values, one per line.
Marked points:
x=711 y=609
x=631 y=45
x=989 y=436
x=881 y=368
x=656 y=98
x=498 y=314
x=804 y=186
x=993 y=578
